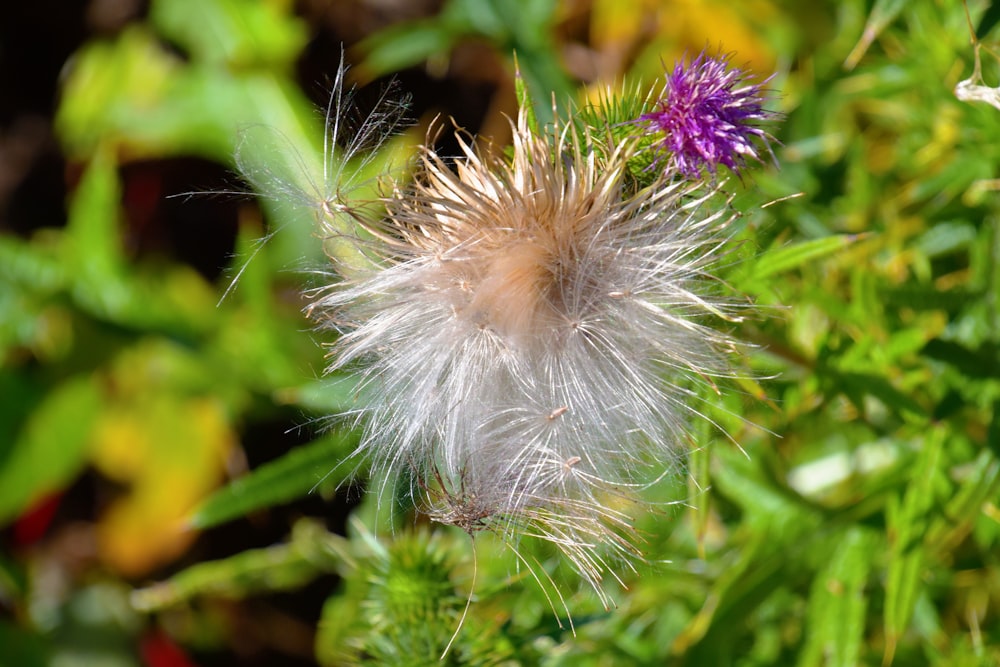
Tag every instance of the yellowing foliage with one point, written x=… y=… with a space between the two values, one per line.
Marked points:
x=169 y=448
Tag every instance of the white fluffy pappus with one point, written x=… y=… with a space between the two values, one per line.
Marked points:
x=333 y=184
x=531 y=335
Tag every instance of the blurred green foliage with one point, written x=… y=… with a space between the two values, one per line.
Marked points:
x=857 y=520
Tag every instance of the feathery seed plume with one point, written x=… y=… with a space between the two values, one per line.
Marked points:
x=532 y=328
x=531 y=334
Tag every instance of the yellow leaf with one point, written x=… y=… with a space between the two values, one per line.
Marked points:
x=618 y=22
x=695 y=25
x=189 y=440
x=121 y=446
x=657 y=33
x=166 y=439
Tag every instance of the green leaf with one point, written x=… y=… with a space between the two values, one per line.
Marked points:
x=52 y=447
x=546 y=79
x=334 y=394
x=927 y=297
x=93 y=245
x=323 y=463
x=13 y=583
x=781 y=536
x=883 y=13
x=523 y=27
x=965 y=506
x=837 y=604
x=857 y=386
x=237 y=33
x=30 y=266
x=104 y=284
x=993 y=433
x=105 y=79
x=404 y=45
x=786 y=258
x=983 y=362
x=700 y=479
x=947 y=237
x=311 y=552
x=524 y=102
x=18 y=647
x=28 y=318
x=907 y=525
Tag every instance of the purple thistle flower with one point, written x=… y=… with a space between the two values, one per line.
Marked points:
x=708 y=114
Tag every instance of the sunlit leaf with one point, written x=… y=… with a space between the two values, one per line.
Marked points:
x=167 y=441
x=238 y=33
x=785 y=258
x=105 y=81
x=93 y=246
x=320 y=464
x=310 y=552
x=170 y=452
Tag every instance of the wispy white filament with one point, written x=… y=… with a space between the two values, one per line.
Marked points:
x=531 y=336
x=326 y=185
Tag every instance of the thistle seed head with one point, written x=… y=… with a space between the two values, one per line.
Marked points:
x=532 y=334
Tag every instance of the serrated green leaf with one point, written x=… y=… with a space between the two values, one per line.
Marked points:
x=323 y=463
x=52 y=446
